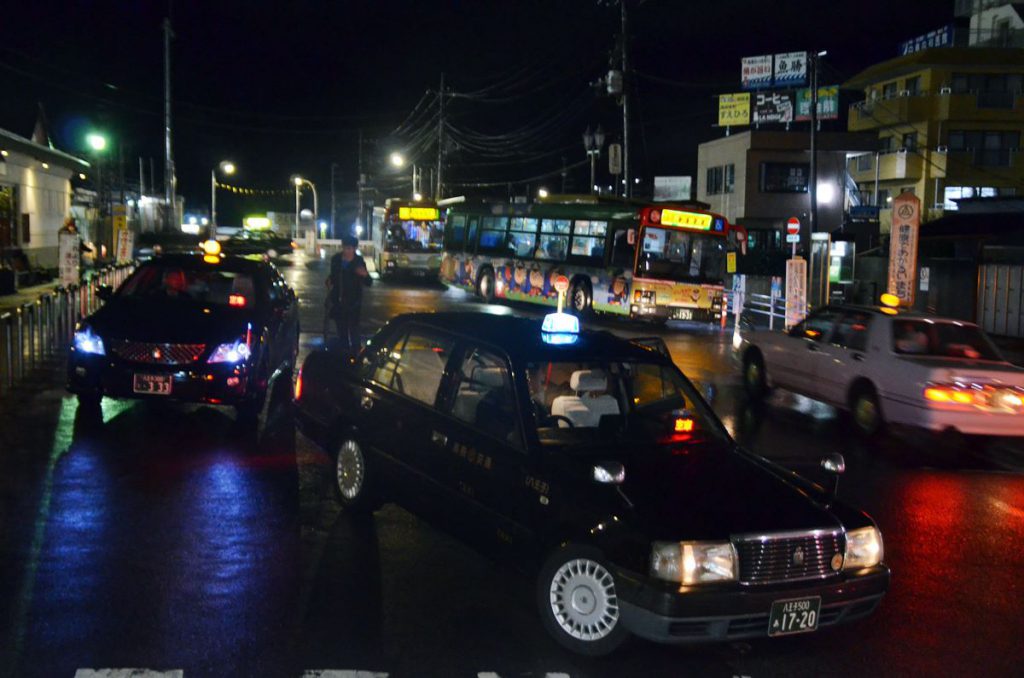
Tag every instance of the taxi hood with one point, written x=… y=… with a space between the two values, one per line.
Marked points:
x=709 y=491
x=168 y=321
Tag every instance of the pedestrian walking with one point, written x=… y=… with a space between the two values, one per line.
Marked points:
x=345 y=285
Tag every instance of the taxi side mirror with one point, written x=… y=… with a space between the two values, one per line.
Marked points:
x=833 y=464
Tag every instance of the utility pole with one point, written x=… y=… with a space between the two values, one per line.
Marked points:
x=813 y=188
x=626 y=81
x=334 y=166
x=169 y=178
x=440 y=138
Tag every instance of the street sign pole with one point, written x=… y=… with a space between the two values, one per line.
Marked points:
x=793 y=233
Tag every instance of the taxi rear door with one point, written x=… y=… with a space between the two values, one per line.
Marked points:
x=481 y=431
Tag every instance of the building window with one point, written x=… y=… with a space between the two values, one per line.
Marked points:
x=865 y=162
x=954 y=193
x=910 y=141
x=721 y=179
x=884 y=199
x=886 y=144
x=784 y=177
x=913 y=85
x=889 y=90
x=987 y=148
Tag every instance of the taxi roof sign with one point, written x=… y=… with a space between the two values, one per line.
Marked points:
x=560 y=328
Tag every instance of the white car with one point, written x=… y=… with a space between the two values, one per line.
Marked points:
x=889 y=366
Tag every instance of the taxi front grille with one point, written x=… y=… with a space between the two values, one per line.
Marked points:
x=159 y=354
x=792 y=557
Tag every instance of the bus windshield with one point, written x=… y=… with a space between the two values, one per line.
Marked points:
x=414 y=236
x=682 y=256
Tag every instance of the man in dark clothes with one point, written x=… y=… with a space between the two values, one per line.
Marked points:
x=345 y=291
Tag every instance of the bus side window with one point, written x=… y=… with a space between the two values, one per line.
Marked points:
x=471 y=236
x=622 y=252
x=454 y=233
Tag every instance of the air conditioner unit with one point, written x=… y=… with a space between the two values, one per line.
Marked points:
x=942 y=149
x=946 y=90
x=904 y=92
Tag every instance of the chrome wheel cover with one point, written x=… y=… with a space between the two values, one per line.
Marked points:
x=753 y=374
x=583 y=600
x=485 y=286
x=579 y=299
x=350 y=470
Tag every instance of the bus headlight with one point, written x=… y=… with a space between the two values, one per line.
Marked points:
x=694 y=562
x=863 y=548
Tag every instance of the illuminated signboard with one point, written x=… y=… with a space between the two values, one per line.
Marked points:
x=687 y=219
x=418 y=213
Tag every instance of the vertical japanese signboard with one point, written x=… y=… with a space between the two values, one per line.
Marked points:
x=828 y=103
x=124 y=246
x=796 y=290
x=734 y=109
x=906 y=223
x=67 y=253
x=790 y=69
x=756 y=72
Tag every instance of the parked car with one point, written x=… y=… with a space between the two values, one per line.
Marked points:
x=190 y=328
x=262 y=242
x=891 y=366
x=593 y=464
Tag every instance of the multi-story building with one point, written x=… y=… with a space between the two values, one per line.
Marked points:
x=948 y=121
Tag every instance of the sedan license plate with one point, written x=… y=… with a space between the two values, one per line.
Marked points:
x=682 y=314
x=154 y=384
x=796 y=615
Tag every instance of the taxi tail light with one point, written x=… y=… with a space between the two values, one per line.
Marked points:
x=298 y=385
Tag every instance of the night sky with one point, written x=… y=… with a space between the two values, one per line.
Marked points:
x=284 y=88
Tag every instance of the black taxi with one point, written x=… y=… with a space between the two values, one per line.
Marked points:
x=594 y=464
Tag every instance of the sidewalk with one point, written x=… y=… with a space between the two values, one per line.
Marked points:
x=25 y=295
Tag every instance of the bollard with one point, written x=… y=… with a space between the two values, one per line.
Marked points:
x=5 y=319
x=28 y=310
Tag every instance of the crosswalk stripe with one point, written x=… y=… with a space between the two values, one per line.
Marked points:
x=128 y=673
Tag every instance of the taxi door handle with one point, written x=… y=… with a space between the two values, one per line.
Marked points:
x=366 y=403
x=439 y=438
x=859 y=357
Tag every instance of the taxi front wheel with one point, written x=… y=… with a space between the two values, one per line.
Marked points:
x=578 y=603
x=353 y=485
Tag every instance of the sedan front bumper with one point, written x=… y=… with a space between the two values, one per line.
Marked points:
x=730 y=613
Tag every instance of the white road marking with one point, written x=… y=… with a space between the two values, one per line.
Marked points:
x=492 y=674
x=343 y=673
x=128 y=673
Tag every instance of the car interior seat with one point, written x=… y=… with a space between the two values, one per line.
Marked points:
x=471 y=392
x=590 y=403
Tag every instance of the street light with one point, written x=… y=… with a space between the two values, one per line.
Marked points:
x=542 y=193
x=299 y=181
x=227 y=167
x=398 y=160
x=96 y=141
x=593 y=143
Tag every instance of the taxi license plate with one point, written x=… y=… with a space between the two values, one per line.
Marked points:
x=682 y=314
x=154 y=384
x=796 y=615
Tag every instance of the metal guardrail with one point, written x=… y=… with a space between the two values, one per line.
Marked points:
x=759 y=310
x=41 y=328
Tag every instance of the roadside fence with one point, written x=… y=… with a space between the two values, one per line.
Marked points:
x=42 y=328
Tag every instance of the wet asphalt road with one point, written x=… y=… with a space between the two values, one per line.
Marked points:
x=168 y=539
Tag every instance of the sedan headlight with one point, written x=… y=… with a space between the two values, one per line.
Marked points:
x=88 y=342
x=232 y=352
x=863 y=548
x=694 y=562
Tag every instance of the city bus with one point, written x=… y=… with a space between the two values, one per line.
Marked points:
x=407 y=237
x=657 y=262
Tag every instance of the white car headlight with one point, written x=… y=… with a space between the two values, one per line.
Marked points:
x=694 y=562
x=87 y=342
x=231 y=352
x=863 y=548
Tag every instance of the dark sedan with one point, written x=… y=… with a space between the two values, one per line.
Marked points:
x=594 y=464
x=191 y=328
x=259 y=241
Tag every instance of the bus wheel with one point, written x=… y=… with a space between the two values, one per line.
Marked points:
x=485 y=285
x=581 y=298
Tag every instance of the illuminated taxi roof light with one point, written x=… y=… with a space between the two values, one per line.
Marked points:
x=684 y=425
x=211 y=247
x=890 y=300
x=236 y=300
x=211 y=258
x=888 y=311
x=560 y=323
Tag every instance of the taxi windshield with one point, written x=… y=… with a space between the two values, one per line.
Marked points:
x=208 y=285
x=610 y=401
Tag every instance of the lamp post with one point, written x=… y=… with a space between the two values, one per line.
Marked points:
x=593 y=143
x=398 y=160
x=227 y=167
x=299 y=181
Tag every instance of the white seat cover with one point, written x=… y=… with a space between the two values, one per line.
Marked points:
x=585 y=409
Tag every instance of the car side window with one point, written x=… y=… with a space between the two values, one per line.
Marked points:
x=421 y=364
x=380 y=365
x=816 y=326
x=484 y=397
x=852 y=331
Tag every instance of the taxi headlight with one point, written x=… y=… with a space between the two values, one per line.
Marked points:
x=231 y=352
x=863 y=548
x=87 y=342
x=694 y=562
